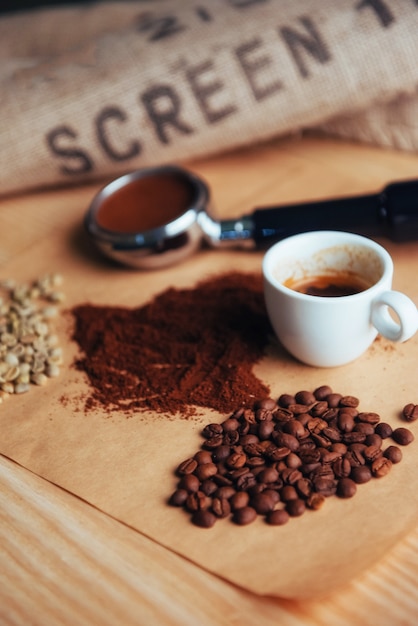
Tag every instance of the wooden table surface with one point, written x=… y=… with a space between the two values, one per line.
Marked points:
x=62 y=561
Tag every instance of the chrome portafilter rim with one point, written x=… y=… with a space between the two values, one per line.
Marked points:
x=155 y=247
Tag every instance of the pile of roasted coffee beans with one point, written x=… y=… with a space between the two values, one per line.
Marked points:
x=282 y=458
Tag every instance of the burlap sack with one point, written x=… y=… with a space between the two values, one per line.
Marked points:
x=89 y=92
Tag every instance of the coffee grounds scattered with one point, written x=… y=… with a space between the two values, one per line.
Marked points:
x=185 y=349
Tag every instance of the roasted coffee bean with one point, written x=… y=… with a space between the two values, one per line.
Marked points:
x=306 y=445
x=264 y=430
x=235 y=474
x=253 y=449
x=230 y=424
x=350 y=401
x=303 y=418
x=244 y=515
x=282 y=439
x=355 y=458
x=369 y=417
x=187 y=467
x=293 y=461
x=346 y=488
x=213 y=442
x=262 y=503
x=239 y=500
x=268 y=475
x=221 y=453
x=196 y=501
x=263 y=415
x=329 y=456
x=295 y=508
x=365 y=428
x=203 y=456
x=249 y=416
x=207 y=470
x=361 y=474
x=236 y=460
x=322 y=392
x=272 y=493
x=225 y=492
x=189 y=482
x=209 y=487
x=204 y=518
x=316 y=425
x=277 y=517
x=297 y=408
x=371 y=453
x=326 y=486
x=266 y=403
x=319 y=408
x=321 y=440
x=354 y=437
x=274 y=453
x=291 y=476
x=373 y=440
x=315 y=501
x=286 y=399
x=381 y=466
x=179 y=497
x=221 y=478
x=295 y=428
x=248 y=439
x=212 y=430
x=266 y=445
x=333 y=400
x=403 y=436
x=255 y=462
x=330 y=414
x=393 y=453
x=383 y=430
x=221 y=507
x=305 y=397
x=246 y=481
x=304 y=487
x=325 y=471
x=310 y=456
x=282 y=415
x=410 y=412
x=333 y=434
x=339 y=447
x=231 y=438
x=288 y=492
x=308 y=468
x=352 y=410
x=341 y=467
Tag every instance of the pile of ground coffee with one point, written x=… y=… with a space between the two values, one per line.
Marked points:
x=186 y=348
x=282 y=458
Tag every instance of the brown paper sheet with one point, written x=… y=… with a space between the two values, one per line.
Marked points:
x=124 y=466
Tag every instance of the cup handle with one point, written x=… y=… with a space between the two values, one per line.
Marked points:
x=405 y=310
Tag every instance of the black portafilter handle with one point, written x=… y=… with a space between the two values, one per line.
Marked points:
x=392 y=213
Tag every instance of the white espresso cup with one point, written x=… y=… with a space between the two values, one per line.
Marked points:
x=329 y=293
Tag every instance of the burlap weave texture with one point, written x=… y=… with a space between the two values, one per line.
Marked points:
x=89 y=92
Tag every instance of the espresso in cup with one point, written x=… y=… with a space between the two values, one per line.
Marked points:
x=331 y=285
x=329 y=293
